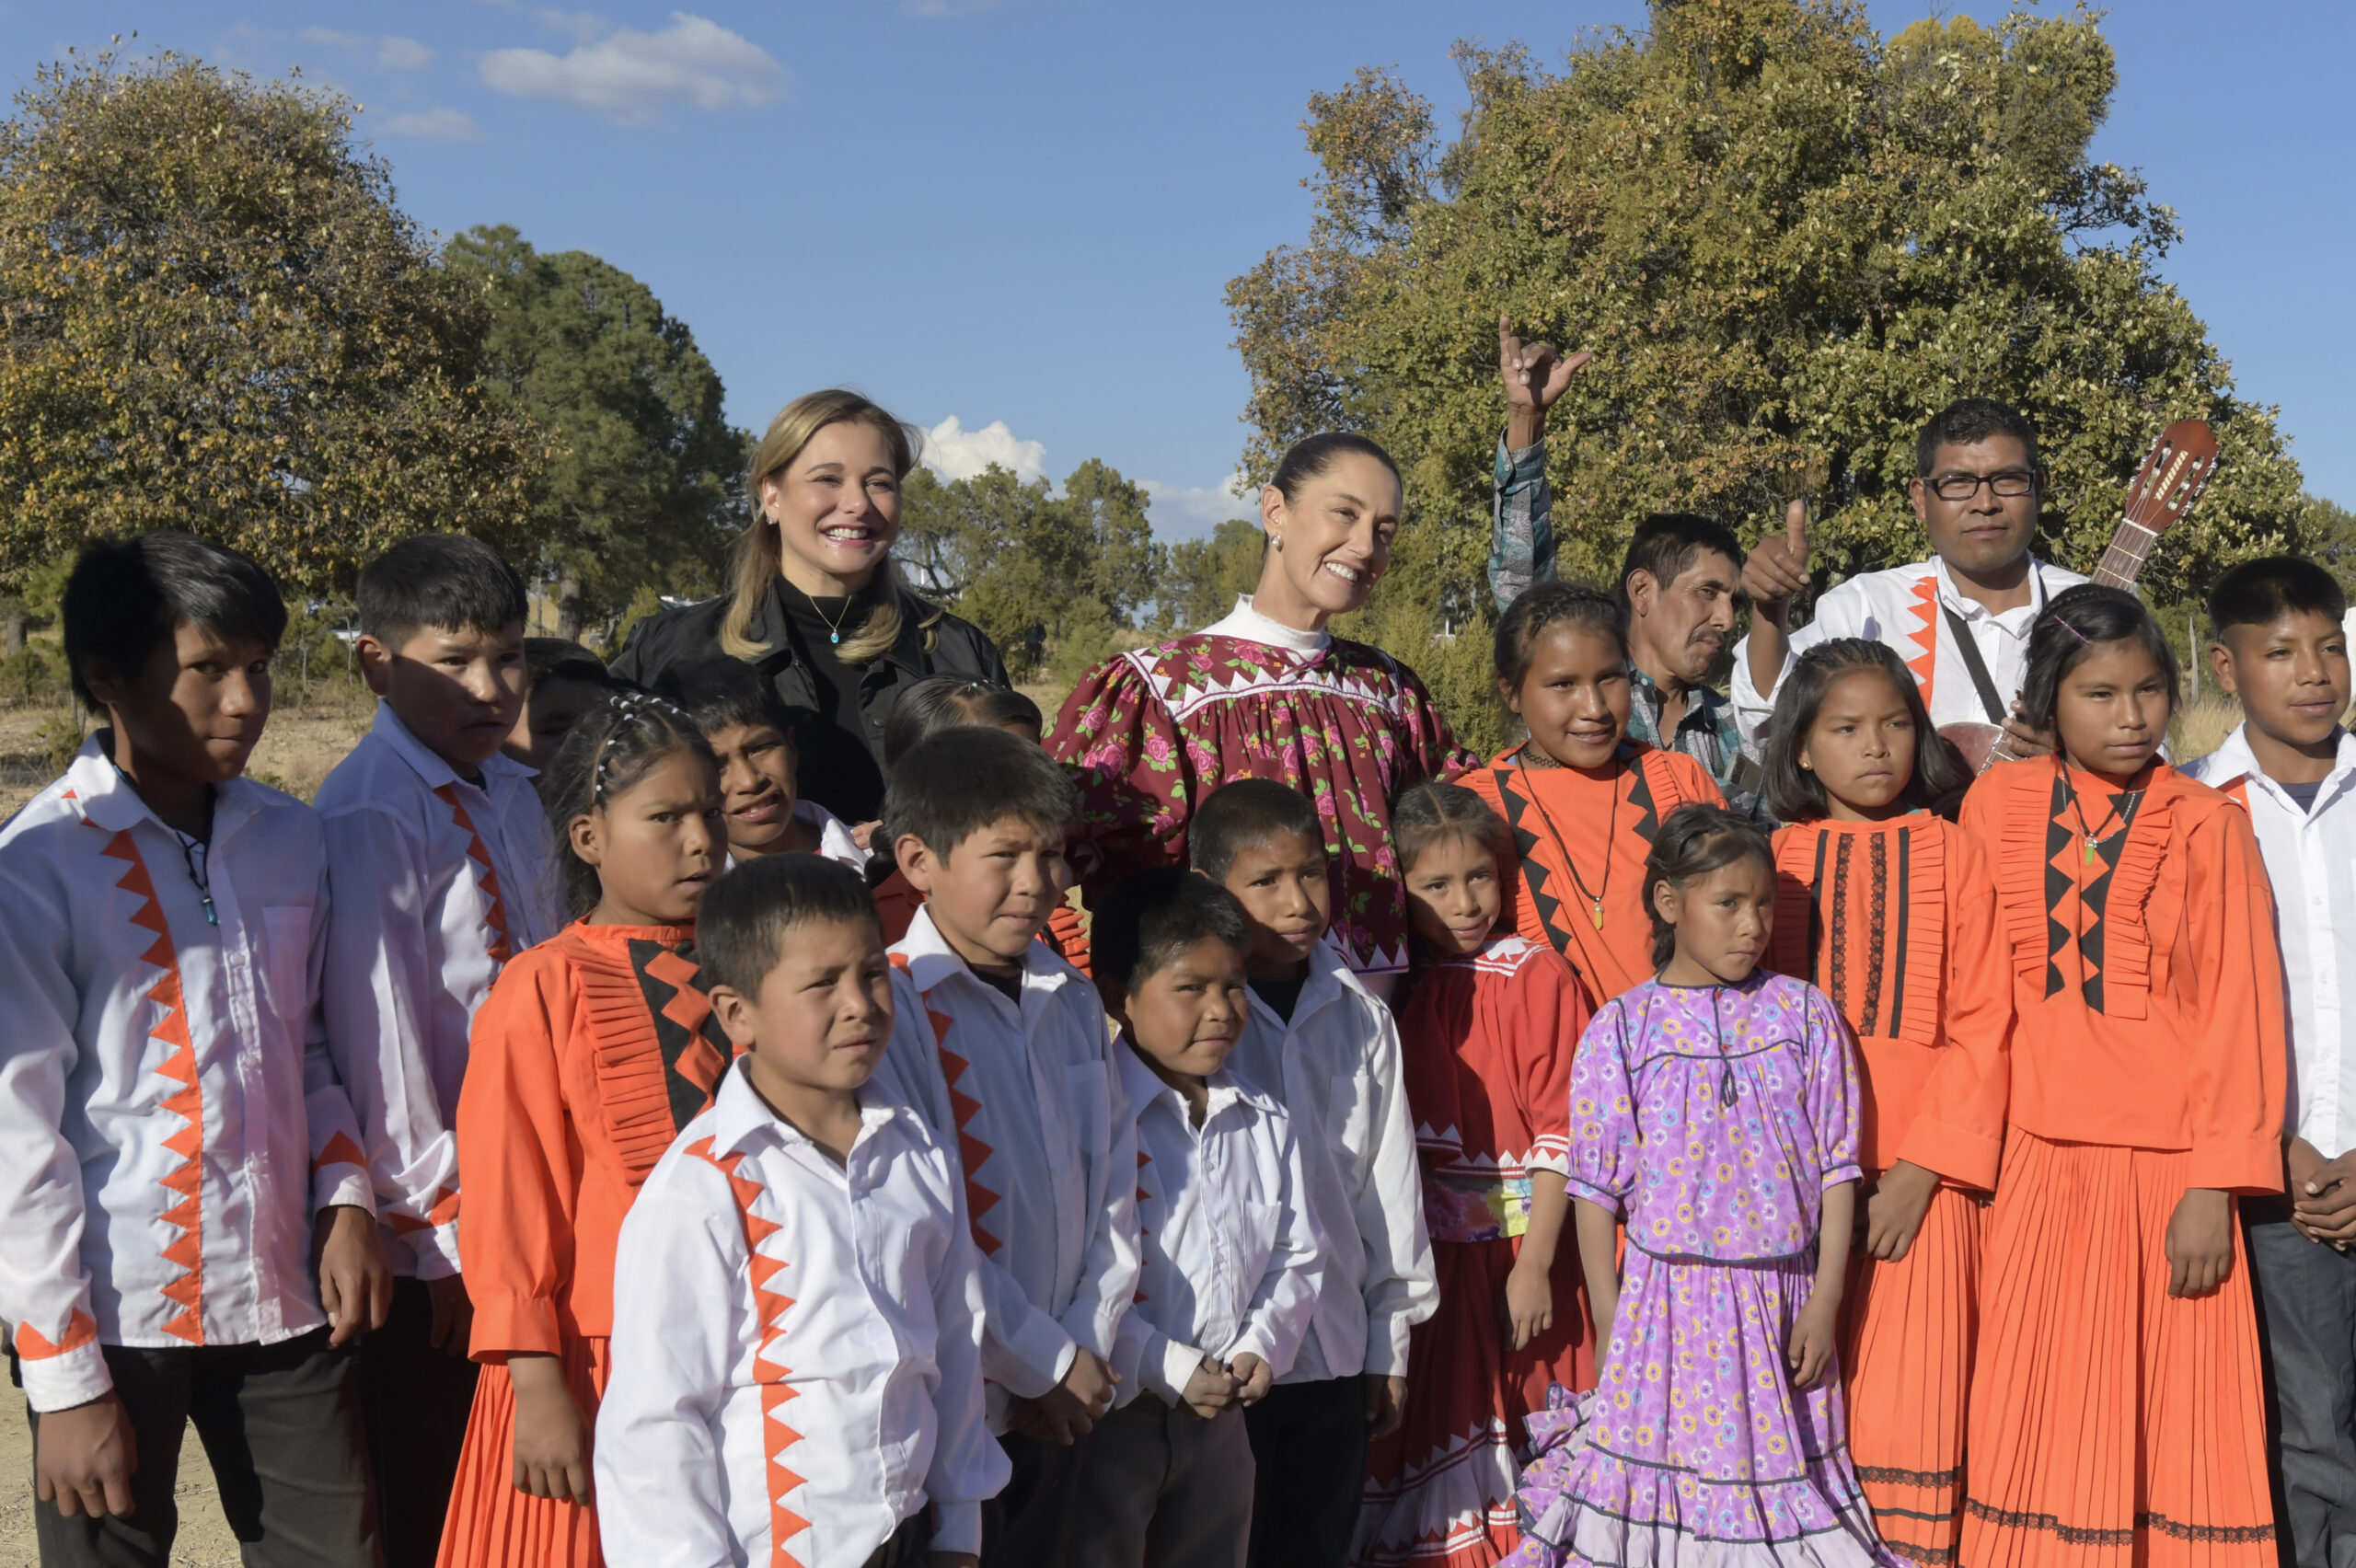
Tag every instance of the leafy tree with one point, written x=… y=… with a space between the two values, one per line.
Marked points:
x=1788 y=243
x=642 y=480
x=1202 y=577
x=213 y=317
x=2330 y=530
x=1048 y=577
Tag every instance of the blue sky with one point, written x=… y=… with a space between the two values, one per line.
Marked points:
x=1019 y=214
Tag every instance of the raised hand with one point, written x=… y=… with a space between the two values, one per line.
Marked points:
x=1778 y=566
x=1536 y=376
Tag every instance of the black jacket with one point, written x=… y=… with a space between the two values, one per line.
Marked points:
x=842 y=772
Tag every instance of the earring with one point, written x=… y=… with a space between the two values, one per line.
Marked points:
x=1280 y=544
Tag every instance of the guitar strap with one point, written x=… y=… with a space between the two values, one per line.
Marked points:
x=1982 y=681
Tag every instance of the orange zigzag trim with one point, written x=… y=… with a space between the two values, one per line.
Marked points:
x=1143 y=1159
x=495 y=914
x=340 y=1150
x=34 y=1345
x=1925 y=635
x=768 y=1371
x=698 y=1063
x=972 y=1152
x=185 y=1100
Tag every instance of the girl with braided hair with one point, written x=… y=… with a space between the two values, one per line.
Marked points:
x=589 y=1054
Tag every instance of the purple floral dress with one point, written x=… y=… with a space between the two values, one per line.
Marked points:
x=1711 y=1120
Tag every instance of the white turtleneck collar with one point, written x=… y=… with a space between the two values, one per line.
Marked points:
x=1249 y=625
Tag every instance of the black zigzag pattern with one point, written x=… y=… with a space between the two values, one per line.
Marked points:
x=2057 y=884
x=1535 y=875
x=693 y=1058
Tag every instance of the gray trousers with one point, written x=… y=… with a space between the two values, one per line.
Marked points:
x=2307 y=1308
x=1163 y=1485
x=281 y=1423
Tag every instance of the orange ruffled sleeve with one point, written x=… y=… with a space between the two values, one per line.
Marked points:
x=520 y=1161
x=1958 y=1128
x=2240 y=1053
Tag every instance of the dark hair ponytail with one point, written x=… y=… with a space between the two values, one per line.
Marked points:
x=1695 y=841
x=2072 y=625
x=1309 y=458
x=612 y=747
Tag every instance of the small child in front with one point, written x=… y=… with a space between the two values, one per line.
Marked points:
x=1327 y=1051
x=593 y=1050
x=1004 y=1049
x=797 y=1300
x=1229 y=1275
x=1487 y=1022
x=177 y=1159
x=752 y=733
x=2277 y=643
x=444 y=869
x=1713 y=1109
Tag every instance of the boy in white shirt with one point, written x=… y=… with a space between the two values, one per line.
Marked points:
x=797 y=1300
x=1231 y=1266
x=443 y=868
x=177 y=1159
x=752 y=733
x=1328 y=1052
x=1005 y=1050
x=2280 y=645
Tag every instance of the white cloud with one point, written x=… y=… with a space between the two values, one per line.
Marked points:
x=631 y=78
x=436 y=124
x=948 y=7
x=1193 y=514
x=388 y=51
x=955 y=452
x=582 y=27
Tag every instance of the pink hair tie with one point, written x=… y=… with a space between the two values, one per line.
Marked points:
x=2073 y=631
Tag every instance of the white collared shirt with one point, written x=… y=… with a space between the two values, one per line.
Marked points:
x=169 y=1120
x=2311 y=859
x=1336 y=1069
x=1231 y=1253
x=835 y=842
x=1249 y=625
x=1031 y=1099
x=796 y=1348
x=1904 y=609
x=438 y=881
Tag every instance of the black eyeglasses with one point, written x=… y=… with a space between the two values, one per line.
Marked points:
x=2008 y=483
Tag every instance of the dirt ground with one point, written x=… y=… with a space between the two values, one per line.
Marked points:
x=302 y=741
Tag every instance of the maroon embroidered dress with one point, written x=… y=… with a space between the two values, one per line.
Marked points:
x=1150 y=732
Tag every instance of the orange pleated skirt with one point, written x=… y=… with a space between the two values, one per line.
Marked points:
x=490 y=1524
x=1906 y=1367
x=2111 y=1424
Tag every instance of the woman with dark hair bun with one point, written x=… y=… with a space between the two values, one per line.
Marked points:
x=1270 y=693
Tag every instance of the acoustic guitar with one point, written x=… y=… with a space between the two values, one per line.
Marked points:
x=2175 y=472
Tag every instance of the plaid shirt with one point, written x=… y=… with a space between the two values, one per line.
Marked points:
x=1522 y=551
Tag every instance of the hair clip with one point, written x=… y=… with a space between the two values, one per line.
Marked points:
x=2073 y=631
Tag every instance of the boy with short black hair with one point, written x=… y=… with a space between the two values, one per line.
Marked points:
x=1329 y=1053
x=806 y=1237
x=753 y=735
x=1003 y=1047
x=562 y=680
x=1231 y=1256
x=177 y=1159
x=443 y=867
x=2277 y=643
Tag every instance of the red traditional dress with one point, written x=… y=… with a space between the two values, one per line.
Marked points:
x=1150 y=732
x=1487 y=1041
x=2112 y=1424
x=1583 y=837
x=1895 y=922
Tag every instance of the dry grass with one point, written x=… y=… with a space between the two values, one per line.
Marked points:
x=304 y=740
x=2202 y=725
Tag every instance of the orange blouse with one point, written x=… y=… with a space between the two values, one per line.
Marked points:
x=1893 y=921
x=589 y=1054
x=1581 y=835
x=2145 y=973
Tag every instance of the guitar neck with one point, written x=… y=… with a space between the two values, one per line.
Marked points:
x=2122 y=563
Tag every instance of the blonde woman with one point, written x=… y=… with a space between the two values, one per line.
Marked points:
x=815 y=605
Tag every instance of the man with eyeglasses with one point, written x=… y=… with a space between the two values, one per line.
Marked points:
x=1959 y=620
